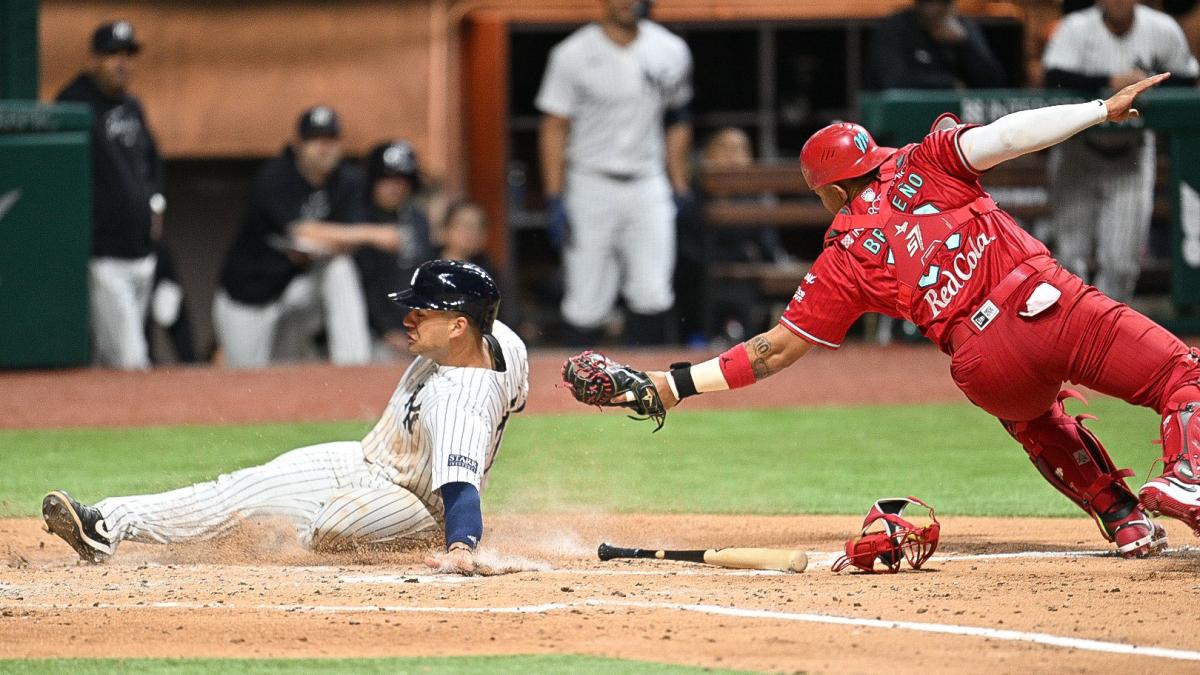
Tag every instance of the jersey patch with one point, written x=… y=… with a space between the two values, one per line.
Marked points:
x=463 y=462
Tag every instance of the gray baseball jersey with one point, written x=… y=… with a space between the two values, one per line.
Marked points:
x=615 y=96
x=1155 y=44
x=443 y=424
x=617 y=195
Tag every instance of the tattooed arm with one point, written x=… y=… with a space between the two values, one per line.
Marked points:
x=774 y=350
x=766 y=353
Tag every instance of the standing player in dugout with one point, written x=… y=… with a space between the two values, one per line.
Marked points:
x=915 y=236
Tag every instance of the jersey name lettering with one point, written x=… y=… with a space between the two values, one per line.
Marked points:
x=907 y=189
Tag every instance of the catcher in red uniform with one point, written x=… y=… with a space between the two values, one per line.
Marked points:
x=914 y=236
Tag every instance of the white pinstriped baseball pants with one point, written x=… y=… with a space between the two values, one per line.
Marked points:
x=119 y=294
x=333 y=496
x=622 y=240
x=330 y=294
x=1102 y=208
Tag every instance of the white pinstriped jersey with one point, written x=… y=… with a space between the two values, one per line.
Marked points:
x=444 y=424
x=1155 y=44
x=615 y=96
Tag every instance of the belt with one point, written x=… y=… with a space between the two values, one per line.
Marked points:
x=989 y=309
x=619 y=177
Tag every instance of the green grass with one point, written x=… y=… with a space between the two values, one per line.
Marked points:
x=484 y=665
x=813 y=460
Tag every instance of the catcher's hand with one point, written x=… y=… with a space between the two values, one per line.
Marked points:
x=1120 y=105
x=596 y=380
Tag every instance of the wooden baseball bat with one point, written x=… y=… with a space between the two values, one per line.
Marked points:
x=737 y=558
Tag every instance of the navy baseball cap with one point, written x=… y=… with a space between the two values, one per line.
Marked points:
x=319 y=121
x=113 y=37
x=392 y=159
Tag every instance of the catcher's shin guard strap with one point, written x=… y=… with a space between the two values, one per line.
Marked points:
x=735 y=366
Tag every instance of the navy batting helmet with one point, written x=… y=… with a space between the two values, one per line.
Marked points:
x=453 y=286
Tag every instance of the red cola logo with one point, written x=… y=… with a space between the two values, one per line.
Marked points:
x=960 y=270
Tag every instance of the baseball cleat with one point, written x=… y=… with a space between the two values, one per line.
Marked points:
x=80 y=526
x=1169 y=496
x=1137 y=536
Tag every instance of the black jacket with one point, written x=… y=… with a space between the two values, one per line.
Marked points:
x=904 y=56
x=384 y=272
x=257 y=268
x=126 y=170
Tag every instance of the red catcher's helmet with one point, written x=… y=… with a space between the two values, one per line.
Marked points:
x=840 y=151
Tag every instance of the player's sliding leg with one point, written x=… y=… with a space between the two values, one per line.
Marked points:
x=293 y=486
x=368 y=516
x=1072 y=459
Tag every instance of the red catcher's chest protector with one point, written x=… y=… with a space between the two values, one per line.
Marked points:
x=911 y=240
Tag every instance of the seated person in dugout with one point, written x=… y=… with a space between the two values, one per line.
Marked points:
x=393 y=184
x=422 y=466
x=464 y=235
x=288 y=275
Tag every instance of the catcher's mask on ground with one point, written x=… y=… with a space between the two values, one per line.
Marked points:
x=898 y=540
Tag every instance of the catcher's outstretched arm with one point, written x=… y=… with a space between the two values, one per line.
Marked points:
x=757 y=358
x=1028 y=131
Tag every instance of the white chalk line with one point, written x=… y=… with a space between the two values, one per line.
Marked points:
x=815 y=558
x=1046 y=639
x=393 y=579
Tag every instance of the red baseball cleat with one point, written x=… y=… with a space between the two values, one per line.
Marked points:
x=1136 y=535
x=1173 y=497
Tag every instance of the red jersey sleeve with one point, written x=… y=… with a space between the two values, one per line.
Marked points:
x=828 y=300
x=941 y=149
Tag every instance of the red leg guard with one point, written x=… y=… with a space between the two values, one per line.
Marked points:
x=1181 y=433
x=1176 y=493
x=1073 y=460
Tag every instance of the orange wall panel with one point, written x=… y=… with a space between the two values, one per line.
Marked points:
x=229 y=80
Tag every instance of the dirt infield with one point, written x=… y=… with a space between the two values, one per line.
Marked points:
x=1039 y=610
x=1001 y=595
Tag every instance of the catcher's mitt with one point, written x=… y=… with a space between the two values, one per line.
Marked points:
x=597 y=380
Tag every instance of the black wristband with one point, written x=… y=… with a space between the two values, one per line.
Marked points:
x=681 y=373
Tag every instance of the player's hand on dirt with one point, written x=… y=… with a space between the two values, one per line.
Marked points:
x=659 y=378
x=1120 y=105
x=458 y=560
